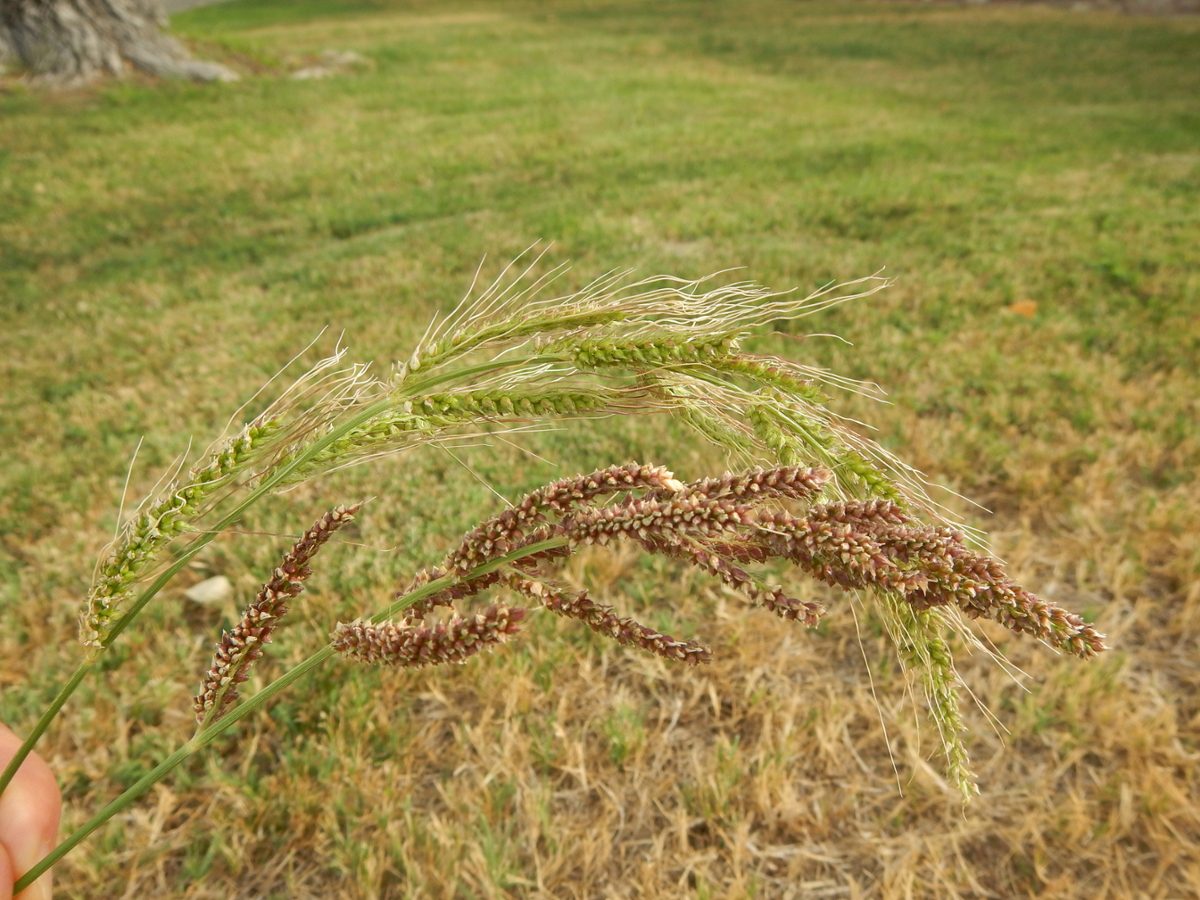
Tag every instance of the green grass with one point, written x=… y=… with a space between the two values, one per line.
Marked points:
x=165 y=247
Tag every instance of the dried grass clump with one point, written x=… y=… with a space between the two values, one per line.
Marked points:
x=823 y=500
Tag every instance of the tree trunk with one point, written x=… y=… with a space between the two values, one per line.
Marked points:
x=66 y=42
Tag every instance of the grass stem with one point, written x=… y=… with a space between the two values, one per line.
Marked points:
x=44 y=722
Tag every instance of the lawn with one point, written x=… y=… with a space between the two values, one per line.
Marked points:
x=1029 y=177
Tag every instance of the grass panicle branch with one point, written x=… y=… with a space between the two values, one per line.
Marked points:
x=497 y=536
x=239 y=648
x=923 y=651
x=873 y=544
x=406 y=644
x=602 y=620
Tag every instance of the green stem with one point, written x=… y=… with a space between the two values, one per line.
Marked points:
x=104 y=815
x=214 y=730
x=44 y=722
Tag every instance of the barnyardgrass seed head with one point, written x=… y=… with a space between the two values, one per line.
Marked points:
x=513 y=356
x=142 y=541
x=602 y=620
x=720 y=525
x=239 y=648
x=411 y=645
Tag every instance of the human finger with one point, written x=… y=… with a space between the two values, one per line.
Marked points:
x=29 y=812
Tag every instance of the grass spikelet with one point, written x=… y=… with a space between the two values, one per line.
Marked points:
x=413 y=646
x=603 y=620
x=239 y=648
x=171 y=515
x=924 y=652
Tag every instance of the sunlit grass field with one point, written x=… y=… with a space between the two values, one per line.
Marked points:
x=1030 y=178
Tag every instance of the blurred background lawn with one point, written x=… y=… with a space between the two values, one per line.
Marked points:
x=1030 y=177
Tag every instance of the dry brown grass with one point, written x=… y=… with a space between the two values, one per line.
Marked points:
x=562 y=766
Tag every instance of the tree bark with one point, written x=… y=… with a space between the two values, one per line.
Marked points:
x=67 y=42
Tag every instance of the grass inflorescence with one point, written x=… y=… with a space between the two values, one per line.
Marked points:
x=508 y=355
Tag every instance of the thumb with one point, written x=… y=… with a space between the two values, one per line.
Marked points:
x=29 y=811
x=7 y=877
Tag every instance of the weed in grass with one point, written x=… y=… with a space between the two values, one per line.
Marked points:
x=507 y=358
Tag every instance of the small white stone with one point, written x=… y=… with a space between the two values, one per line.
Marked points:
x=211 y=591
x=343 y=59
x=311 y=72
x=338 y=62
